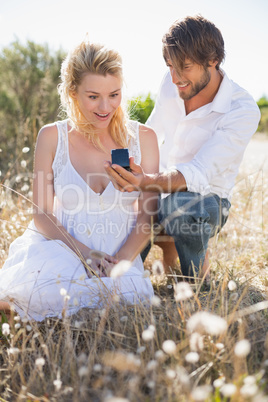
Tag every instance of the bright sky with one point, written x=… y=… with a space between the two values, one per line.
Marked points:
x=135 y=28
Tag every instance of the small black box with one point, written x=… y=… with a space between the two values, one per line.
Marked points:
x=121 y=157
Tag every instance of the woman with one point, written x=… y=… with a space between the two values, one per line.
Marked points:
x=82 y=226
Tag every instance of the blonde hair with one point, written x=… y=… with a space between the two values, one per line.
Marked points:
x=96 y=59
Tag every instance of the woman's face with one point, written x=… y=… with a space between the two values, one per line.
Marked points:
x=98 y=97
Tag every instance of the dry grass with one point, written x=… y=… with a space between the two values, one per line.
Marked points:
x=122 y=355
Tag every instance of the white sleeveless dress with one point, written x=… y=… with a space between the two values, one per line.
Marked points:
x=43 y=278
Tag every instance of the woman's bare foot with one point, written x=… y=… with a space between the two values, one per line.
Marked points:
x=4 y=306
x=6 y=310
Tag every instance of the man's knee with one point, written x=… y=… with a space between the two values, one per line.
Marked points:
x=183 y=214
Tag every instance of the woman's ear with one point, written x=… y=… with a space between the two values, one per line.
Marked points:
x=73 y=94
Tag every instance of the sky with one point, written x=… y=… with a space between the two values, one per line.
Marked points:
x=135 y=28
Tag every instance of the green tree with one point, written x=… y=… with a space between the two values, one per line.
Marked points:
x=141 y=107
x=263 y=105
x=28 y=96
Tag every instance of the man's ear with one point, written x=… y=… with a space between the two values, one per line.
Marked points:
x=212 y=63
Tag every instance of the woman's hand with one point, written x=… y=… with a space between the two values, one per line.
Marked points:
x=124 y=180
x=99 y=263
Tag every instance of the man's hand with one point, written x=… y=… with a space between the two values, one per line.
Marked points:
x=122 y=179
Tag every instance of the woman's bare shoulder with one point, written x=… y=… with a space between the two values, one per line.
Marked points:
x=147 y=134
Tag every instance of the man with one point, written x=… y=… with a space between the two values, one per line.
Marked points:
x=204 y=122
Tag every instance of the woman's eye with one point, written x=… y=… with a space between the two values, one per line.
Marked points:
x=92 y=97
x=114 y=95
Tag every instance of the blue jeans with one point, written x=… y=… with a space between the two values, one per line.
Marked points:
x=192 y=219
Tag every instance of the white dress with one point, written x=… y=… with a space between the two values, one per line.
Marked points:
x=42 y=278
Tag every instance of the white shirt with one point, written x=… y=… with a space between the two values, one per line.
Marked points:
x=208 y=144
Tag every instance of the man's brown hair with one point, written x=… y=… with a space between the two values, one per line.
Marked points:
x=193 y=38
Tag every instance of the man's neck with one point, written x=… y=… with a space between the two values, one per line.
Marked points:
x=206 y=95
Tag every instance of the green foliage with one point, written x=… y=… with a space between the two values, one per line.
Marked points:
x=262 y=102
x=141 y=107
x=28 y=96
x=263 y=125
x=263 y=105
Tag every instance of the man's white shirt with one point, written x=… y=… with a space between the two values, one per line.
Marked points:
x=208 y=144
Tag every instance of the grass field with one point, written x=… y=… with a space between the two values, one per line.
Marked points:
x=193 y=344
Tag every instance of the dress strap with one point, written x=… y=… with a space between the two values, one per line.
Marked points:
x=61 y=156
x=134 y=141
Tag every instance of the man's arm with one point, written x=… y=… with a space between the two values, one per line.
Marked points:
x=164 y=182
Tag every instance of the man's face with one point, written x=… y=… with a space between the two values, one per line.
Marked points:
x=191 y=79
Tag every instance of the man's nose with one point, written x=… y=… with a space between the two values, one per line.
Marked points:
x=174 y=75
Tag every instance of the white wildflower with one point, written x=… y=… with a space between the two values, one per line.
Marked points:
x=17 y=318
x=156 y=301
x=219 y=346
x=228 y=390
x=28 y=328
x=232 y=285
x=182 y=291
x=242 y=348
x=146 y=273
x=66 y=298
x=249 y=390
x=225 y=211
x=151 y=384
x=183 y=376
x=25 y=150
x=250 y=379
x=171 y=374
x=13 y=351
x=204 y=322
x=157 y=268
x=147 y=335
x=169 y=347
x=40 y=362
x=160 y=355
x=97 y=368
x=120 y=269
x=63 y=292
x=83 y=371
x=196 y=342
x=201 y=393
x=82 y=358
x=57 y=384
x=17 y=325
x=141 y=349
x=151 y=365
x=23 y=164
x=234 y=296
x=5 y=329
x=219 y=382
x=124 y=318
x=192 y=357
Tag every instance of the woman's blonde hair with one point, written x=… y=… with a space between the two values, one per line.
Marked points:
x=96 y=59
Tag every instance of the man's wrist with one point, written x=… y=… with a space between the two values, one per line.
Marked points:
x=149 y=183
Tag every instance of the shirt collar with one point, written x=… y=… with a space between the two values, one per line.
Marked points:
x=222 y=101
